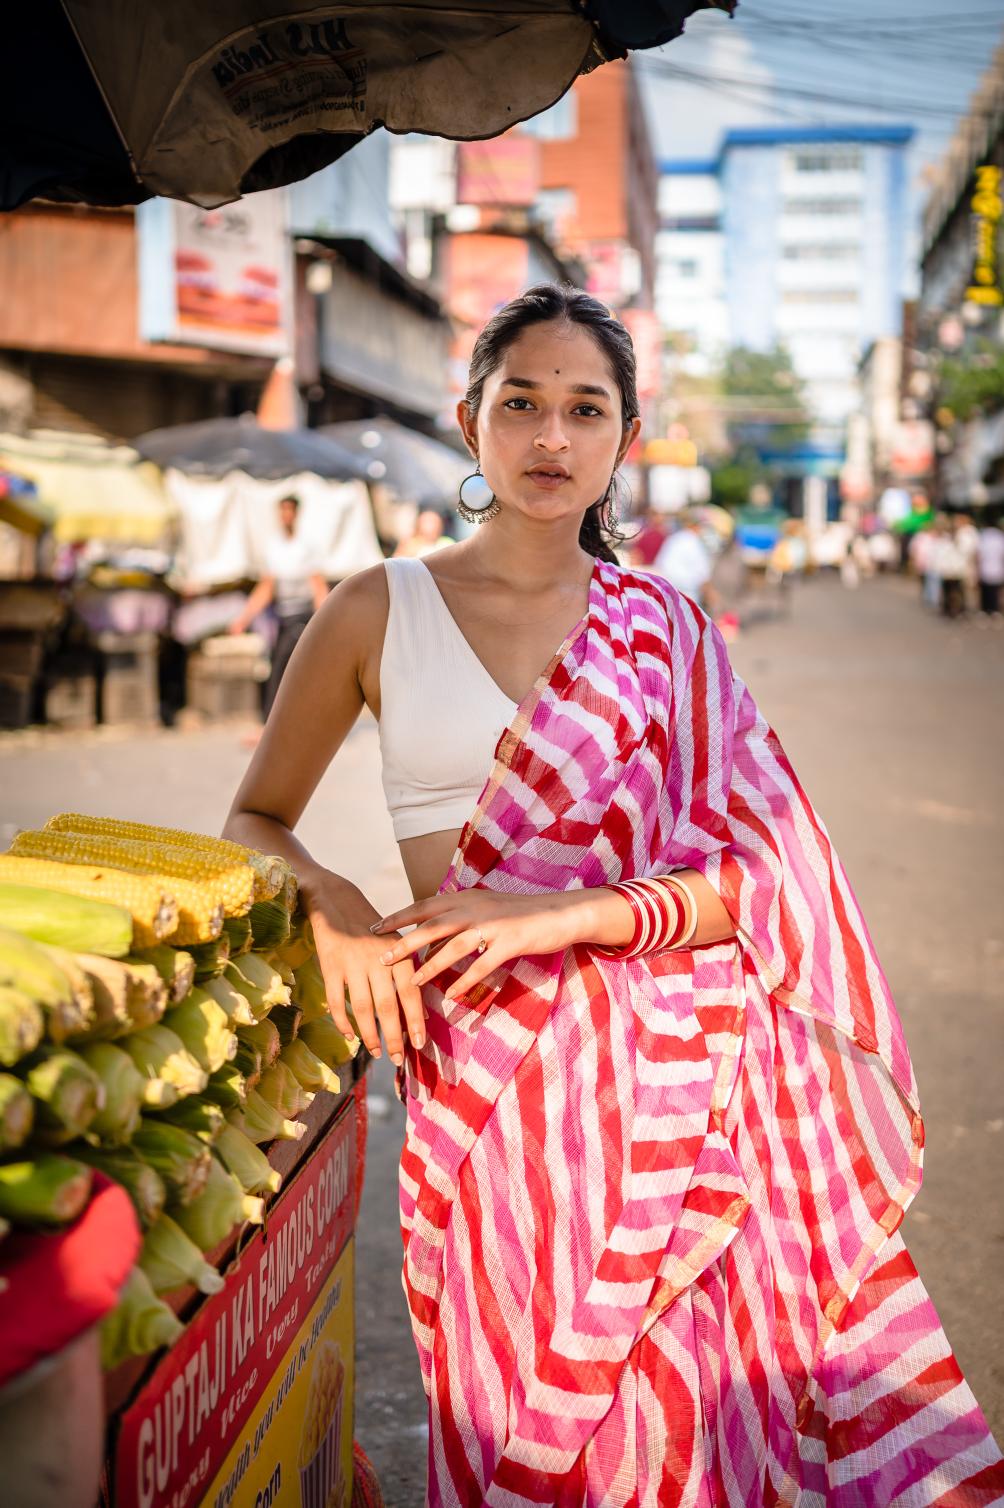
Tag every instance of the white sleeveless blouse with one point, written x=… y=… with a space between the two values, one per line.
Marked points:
x=441 y=714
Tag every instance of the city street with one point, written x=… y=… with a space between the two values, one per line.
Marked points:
x=894 y=721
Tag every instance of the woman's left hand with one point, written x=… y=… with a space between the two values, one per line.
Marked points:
x=510 y=926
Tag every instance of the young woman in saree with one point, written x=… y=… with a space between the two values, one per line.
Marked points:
x=650 y=1196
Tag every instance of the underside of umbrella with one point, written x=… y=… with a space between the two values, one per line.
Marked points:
x=207 y=99
x=416 y=466
x=214 y=447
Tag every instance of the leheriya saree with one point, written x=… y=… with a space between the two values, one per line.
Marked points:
x=650 y=1207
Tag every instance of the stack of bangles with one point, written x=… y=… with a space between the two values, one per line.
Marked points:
x=665 y=915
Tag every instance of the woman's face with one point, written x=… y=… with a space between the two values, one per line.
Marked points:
x=549 y=432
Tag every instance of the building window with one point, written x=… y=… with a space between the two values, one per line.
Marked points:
x=690 y=222
x=684 y=267
x=821 y=251
x=837 y=160
x=799 y=205
x=819 y=296
x=559 y=123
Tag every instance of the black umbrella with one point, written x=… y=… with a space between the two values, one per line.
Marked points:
x=418 y=468
x=215 y=446
x=110 y=101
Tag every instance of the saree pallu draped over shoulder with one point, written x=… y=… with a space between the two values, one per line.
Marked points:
x=650 y=1206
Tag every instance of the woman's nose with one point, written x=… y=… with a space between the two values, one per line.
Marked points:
x=551 y=435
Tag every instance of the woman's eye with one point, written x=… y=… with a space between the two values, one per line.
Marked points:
x=590 y=410
x=510 y=401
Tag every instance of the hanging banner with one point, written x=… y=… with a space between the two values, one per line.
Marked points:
x=253 y=1404
x=217 y=277
x=987 y=207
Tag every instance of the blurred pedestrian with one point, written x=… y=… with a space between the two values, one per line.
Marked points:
x=967 y=538
x=643 y=549
x=685 y=560
x=429 y=534
x=291 y=585
x=923 y=546
x=990 y=559
x=949 y=562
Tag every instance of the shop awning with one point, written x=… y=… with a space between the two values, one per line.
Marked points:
x=90 y=489
x=207 y=99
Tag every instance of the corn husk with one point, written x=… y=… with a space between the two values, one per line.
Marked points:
x=237 y=1006
x=21 y=1025
x=261 y=1122
x=80 y=984
x=282 y=1089
x=67 y=1093
x=311 y=1071
x=263 y=1038
x=67 y=921
x=17 y=1113
x=168 y=1068
x=124 y=1090
x=198 y=1115
x=211 y=1217
x=172 y=1260
x=238 y=930
x=203 y=1027
x=228 y=1088
x=255 y=977
x=298 y=948
x=309 y=992
x=142 y=1183
x=246 y=1161
x=180 y=1159
x=147 y=994
x=269 y=924
x=211 y=958
x=109 y=981
x=45 y=1189
x=284 y=971
x=175 y=966
x=287 y=1020
x=140 y=1323
x=327 y=1043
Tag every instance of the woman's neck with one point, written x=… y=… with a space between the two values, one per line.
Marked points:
x=529 y=557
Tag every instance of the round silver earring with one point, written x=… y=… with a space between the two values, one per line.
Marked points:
x=477 y=515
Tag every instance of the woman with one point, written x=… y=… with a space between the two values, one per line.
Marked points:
x=649 y=1199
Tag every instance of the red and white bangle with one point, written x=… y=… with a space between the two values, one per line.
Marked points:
x=665 y=915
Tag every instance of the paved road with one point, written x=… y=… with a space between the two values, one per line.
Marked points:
x=895 y=723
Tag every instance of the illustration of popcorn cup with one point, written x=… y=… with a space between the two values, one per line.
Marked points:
x=321 y=1481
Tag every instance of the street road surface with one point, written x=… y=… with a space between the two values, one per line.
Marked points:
x=894 y=721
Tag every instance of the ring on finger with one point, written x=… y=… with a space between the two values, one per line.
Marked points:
x=482 y=945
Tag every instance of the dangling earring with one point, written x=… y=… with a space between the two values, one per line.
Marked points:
x=611 y=506
x=476 y=515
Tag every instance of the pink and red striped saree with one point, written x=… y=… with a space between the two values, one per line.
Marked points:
x=650 y=1207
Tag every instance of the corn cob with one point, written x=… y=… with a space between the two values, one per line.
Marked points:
x=281 y=1089
x=68 y=1094
x=238 y=930
x=142 y=1183
x=270 y=871
x=196 y=1114
x=44 y=1190
x=175 y=967
x=211 y=958
x=263 y=1037
x=312 y=1072
x=237 y=1006
x=203 y=892
x=153 y=909
x=255 y=977
x=109 y=981
x=286 y=1019
x=21 y=1025
x=327 y=1043
x=69 y=921
x=211 y=1217
x=139 y=1323
x=247 y=1162
x=26 y=967
x=17 y=1113
x=269 y=923
x=181 y=1159
x=171 y=1259
x=124 y=1088
x=166 y=1065
x=229 y=1088
x=261 y=1121
x=203 y=1027
x=147 y=994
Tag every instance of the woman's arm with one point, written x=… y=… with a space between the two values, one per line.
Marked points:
x=319 y=700
x=256 y=603
x=513 y=926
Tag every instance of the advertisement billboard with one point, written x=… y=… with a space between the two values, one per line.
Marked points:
x=217 y=277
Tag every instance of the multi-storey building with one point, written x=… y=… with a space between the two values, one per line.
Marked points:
x=690 y=256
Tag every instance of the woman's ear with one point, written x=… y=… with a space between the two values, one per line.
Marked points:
x=468 y=427
x=631 y=431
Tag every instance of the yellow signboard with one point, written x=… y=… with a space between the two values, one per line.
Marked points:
x=987 y=207
x=295 y=1450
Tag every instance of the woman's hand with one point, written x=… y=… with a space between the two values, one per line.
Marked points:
x=350 y=957
x=510 y=926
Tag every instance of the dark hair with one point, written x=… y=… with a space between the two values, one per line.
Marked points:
x=540 y=305
x=289 y=498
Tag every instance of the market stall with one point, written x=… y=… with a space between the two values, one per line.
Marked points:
x=182 y=1132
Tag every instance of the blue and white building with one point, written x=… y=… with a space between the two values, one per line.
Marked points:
x=793 y=235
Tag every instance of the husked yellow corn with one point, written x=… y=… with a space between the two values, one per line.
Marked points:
x=152 y=906
x=270 y=871
x=200 y=899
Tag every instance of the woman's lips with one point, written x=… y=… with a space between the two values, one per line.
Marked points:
x=549 y=480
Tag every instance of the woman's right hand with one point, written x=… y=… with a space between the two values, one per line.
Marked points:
x=349 y=955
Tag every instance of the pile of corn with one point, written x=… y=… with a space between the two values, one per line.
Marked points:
x=162 y=1019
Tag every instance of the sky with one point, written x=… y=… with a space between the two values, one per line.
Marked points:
x=821 y=62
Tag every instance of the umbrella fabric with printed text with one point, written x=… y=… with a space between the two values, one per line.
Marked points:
x=112 y=101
